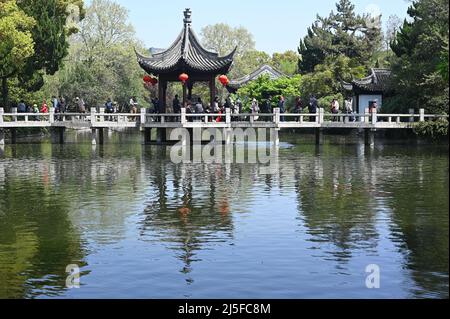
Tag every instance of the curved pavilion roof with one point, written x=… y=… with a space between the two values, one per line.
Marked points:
x=186 y=54
x=377 y=81
x=264 y=69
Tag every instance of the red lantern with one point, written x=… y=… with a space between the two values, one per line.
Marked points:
x=183 y=77
x=147 y=79
x=154 y=81
x=224 y=80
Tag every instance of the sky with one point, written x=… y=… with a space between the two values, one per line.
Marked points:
x=277 y=25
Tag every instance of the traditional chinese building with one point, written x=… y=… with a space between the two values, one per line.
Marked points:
x=369 y=89
x=188 y=57
x=263 y=70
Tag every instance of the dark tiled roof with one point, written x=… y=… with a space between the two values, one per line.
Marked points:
x=186 y=54
x=377 y=81
x=263 y=70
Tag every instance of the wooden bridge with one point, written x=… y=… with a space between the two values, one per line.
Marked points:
x=99 y=120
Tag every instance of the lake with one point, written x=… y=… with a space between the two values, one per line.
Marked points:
x=139 y=226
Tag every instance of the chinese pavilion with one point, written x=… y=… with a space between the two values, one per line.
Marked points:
x=186 y=57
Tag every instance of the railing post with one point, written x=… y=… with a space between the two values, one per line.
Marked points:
x=321 y=116
x=183 y=116
x=14 y=111
x=422 y=115
x=374 y=116
x=2 y=111
x=411 y=112
x=52 y=115
x=102 y=112
x=143 y=115
x=276 y=112
x=93 y=116
x=228 y=115
x=366 y=115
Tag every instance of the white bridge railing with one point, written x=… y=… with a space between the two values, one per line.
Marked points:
x=276 y=119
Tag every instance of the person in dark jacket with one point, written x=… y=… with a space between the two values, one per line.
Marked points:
x=313 y=105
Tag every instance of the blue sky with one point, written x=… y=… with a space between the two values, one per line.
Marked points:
x=277 y=25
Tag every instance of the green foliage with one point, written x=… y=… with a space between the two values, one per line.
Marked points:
x=101 y=63
x=326 y=80
x=223 y=39
x=16 y=42
x=434 y=130
x=50 y=38
x=286 y=62
x=249 y=62
x=341 y=33
x=263 y=88
x=420 y=68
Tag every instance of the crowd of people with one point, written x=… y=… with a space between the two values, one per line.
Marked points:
x=259 y=111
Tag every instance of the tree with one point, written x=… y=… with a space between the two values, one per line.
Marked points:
x=421 y=47
x=249 y=62
x=393 y=25
x=16 y=42
x=263 y=88
x=223 y=39
x=101 y=63
x=326 y=80
x=286 y=62
x=341 y=33
x=50 y=38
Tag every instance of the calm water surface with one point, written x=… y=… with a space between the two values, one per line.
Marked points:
x=140 y=226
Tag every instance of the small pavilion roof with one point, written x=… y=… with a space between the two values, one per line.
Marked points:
x=377 y=81
x=262 y=70
x=186 y=54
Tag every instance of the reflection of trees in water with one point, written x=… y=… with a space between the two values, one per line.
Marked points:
x=41 y=188
x=420 y=212
x=188 y=209
x=37 y=239
x=335 y=204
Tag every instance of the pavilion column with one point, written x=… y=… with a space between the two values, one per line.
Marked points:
x=184 y=96
x=190 y=86
x=162 y=91
x=212 y=90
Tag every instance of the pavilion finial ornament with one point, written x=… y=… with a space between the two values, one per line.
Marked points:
x=187 y=16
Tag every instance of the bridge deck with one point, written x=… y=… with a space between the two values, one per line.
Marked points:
x=275 y=121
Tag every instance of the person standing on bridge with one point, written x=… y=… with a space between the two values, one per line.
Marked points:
x=21 y=107
x=133 y=105
x=44 y=107
x=199 y=108
x=55 y=104
x=81 y=105
x=349 y=109
x=313 y=105
x=35 y=110
x=267 y=108
x=109 y=108
x=281 y=106
x=298 y=107
x=335 y=108
x=176 y=105
x=255 y=109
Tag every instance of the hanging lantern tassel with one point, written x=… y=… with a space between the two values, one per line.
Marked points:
x=224 y=80
x=183 y=77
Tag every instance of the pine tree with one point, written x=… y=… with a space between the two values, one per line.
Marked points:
x=421 y=50
x=50 y=38
x=342 y=33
